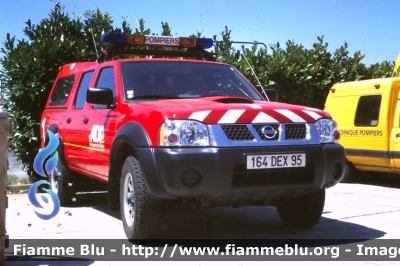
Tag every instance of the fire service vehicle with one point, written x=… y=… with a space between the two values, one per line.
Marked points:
x=171 y=124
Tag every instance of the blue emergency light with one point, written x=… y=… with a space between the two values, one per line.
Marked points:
x=155 y=40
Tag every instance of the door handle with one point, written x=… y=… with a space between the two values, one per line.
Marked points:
x=86 y=120
x=68 y=120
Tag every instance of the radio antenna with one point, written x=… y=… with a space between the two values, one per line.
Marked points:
x=138 y=26
x=94 y=43
x=254 y=73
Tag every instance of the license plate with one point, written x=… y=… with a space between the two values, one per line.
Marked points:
x=276 y=161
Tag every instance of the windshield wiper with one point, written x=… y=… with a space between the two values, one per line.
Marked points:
x=213 y=95
x=157 y=96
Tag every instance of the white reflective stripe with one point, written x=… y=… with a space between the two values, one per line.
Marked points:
x=200 y=116
x=312 y=114
x=289 y=114
x=312 y=109
x=254 y=106
x=264 y=118
x=231 y=116
x=44 y=133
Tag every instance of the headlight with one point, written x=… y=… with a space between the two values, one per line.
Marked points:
x=183 y=133
x=327 y=130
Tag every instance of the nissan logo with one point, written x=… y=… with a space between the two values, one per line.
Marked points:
x=269 y=132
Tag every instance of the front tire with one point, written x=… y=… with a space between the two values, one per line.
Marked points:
x=302 y=211
x=140 y=211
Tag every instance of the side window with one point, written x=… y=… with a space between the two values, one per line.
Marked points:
x=62 y=90
x=367 y=113
x=106 y=80
x=82 y=90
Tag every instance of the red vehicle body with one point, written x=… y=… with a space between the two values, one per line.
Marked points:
x=158 y=129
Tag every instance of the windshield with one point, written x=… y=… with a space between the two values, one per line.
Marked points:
x=172 y=80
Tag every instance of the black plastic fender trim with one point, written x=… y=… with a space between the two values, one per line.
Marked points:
x=134 y=134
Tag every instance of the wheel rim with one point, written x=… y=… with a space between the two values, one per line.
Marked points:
x=129 y=200
x=54 y=177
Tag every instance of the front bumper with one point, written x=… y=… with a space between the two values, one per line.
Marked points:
x=221 y=174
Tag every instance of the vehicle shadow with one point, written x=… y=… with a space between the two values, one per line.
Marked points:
x=251 y=222
x=377 y=179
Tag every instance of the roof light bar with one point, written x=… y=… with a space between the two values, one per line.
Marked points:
x=155 y=40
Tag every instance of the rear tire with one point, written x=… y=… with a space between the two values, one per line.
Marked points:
x=302 y=211
x=62 y=182
x=140 y=211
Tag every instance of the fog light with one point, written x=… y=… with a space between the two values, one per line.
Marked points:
x=191 y=178
x=337 y=170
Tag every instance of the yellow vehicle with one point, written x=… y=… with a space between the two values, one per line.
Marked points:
x=368 y=116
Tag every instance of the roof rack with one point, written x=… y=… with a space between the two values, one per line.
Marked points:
x=110 y=53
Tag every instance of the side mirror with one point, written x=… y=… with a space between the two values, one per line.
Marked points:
x=272 y=94
x=101 y=96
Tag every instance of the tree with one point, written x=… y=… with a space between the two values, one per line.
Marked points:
x=301 y=76
x=30 y=67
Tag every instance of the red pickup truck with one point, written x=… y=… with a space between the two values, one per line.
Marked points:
x=177 y=125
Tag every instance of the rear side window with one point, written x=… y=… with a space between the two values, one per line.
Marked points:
x=367 y=114
x=62 y=90
x=82 y=90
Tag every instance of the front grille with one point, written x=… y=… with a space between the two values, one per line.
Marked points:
x=243 y=178
x=259 y=128
x=297 y=131
x=237 y=132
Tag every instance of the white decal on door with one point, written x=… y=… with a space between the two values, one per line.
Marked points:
x=96 y=137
